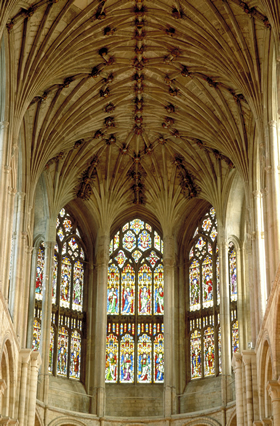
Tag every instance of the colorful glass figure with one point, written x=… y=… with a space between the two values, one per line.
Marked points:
x=127 y=359
x=213 y=234
x=54 y=280
x=73 y=244
x=194 y=283
x=111 y=366
x=51 y=349
x=136 y=255
x=144 y=357
x=65 y=282
x=191 y=253
x=67 y=225
x=40 y=272
x=121 y=258
x=153 y=258
x=144 y=241
x=128 y=290
x=218 y=279
x=156 y=241
x=62 y=352
x=60 y=234
x=136 y=225
x=209 y=352
x=159 y=290
x=75 y=360
x=232 y=273
x=129 y=241
x=36 y=334
x=206 y=224
x=207 y=282
x=200 y=243
x=196 y=355
x=125 y=227
x=148 y=227
x=78 y=284
x=144 y=290
x=111 y=248
x=113 y=290
x=116 y=241
x=159 y=359
x=62 y=213
x=235 y=337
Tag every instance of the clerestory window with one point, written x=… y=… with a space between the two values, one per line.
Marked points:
x=135 y=306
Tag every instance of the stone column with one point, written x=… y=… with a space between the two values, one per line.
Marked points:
x=18 y=260
x=237 y=368
x=260 y=255
x=169 y=332
x=249 y=386
x=273 y=388
x=35 y=362
x=102 y=259
x=46 y=321
x=224 y=314
x=31 y=302
x=24 y=357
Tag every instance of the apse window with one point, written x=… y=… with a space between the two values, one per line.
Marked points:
x=67 y=299
x=135 y=306
x=204 y=300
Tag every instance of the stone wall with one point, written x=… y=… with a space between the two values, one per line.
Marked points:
x=134 y=400
x=201 y=394
x=68 y=394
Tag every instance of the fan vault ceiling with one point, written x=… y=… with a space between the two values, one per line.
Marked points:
x=132 y=97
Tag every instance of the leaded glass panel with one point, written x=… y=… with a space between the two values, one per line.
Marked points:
x=75 y=360
x=135 y=301
x=40 y=272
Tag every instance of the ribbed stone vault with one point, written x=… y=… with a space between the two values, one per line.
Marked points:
x=137 y=96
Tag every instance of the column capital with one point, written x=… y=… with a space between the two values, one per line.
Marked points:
x=236 y=361
x=272 y=123
x=3 y=386
x=257 y=194
x=248 y=357
x=273 y=388
x=24 y=355
x=35 y=358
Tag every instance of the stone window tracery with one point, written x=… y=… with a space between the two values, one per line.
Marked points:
x=204 y=300
x=67 y=299
x=135 y=306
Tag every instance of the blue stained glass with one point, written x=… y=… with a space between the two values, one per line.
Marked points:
x=144 y=241
x=137 y=225
x=127 y=359
x=129 y=241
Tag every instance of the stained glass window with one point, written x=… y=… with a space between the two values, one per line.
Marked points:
x=75 y=360
x=204 y=299
x=40 y=272
x=62 y=352
x=232 y=266
x=67 y=316
x=36 y=334
x=135 y=301
x=232 y=272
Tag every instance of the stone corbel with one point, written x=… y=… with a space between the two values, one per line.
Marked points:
x=273 y=388
x=25 y=355
x=35 y=358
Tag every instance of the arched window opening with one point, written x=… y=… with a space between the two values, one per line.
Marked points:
x=233 y=296
x=67 y=299
x=135 y=306
x=204 y=300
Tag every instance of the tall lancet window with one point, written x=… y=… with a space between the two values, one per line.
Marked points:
x=233 y=296
x=67 y=299
x=135 y=306
x=204 y=300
